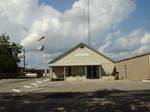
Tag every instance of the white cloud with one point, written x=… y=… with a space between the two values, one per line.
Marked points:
x=146 y=38
x=27 y=20
x=119 y=45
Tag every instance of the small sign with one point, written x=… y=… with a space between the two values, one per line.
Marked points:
x=82 y=54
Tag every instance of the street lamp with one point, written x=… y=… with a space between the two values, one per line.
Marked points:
x=24 y=62
x=22 y=55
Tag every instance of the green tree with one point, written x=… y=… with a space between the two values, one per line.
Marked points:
x=9 y=54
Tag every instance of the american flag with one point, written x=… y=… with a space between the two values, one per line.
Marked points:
x=41 y=38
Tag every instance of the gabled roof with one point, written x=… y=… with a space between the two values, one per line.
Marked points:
x=137 y=56
x=74 y=48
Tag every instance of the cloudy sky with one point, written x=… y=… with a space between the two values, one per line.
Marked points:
x=119 y=28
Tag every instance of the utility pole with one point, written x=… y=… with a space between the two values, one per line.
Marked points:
x=24 y=62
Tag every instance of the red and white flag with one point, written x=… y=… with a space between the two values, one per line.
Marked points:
x=41 y=48
x=43 y=37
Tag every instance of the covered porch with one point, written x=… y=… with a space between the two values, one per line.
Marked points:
x=75 y=72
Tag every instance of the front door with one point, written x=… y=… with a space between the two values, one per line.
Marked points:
x=92 y=72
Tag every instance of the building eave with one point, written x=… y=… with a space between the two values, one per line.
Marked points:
x=137 y=56
x=80 y=64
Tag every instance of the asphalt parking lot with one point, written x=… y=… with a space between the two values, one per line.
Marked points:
x=31 y=95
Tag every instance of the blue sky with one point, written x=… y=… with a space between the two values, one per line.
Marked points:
x=60 y=5
x=140 y=19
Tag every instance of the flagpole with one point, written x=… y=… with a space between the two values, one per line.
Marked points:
x=45 y=64
x=41 y=49
x=45 y=61
x=89 y=26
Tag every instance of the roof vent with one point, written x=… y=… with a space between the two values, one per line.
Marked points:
x=81 y=46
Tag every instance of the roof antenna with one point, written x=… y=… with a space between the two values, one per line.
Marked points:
x=89 y=26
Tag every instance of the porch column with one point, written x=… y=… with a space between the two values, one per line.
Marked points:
x=85 y=71
x=100 y=71
x=64 y=73
x=51 y=72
